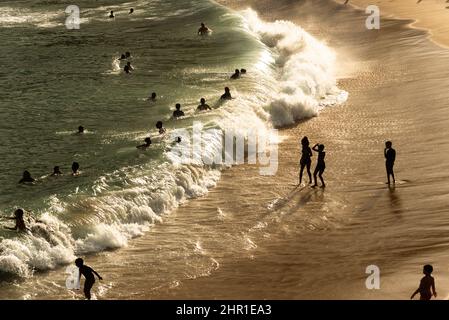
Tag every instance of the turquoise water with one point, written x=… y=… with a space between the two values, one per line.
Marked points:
x=56 y=79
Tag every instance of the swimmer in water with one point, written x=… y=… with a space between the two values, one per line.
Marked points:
x=203 y=30
x=242 y=71
x=26 y=177
x=131 y=11
x=75 y=168
x=226 y=95
x=128 y=68
x=152 y=97
x=127 y=54
x=111 y=15
x=203 y=106
x=236 y=74
x=122 y=57
x=426 y=285
x=88 y=274
x=160 y=127
x=80 y=129
x=146 y=144
x=321 y=165
x=56 y=171
x=20 y=223
x=178 y=112
x=178 y=140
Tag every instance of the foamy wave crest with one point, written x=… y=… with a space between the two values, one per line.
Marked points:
x=307 y=81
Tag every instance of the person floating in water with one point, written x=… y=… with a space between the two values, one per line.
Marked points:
x=203 y=30
x=236 y=74
x=306 y=160
x=321 y=165
x=426 y=285
x=203 y=106
x=26 y=177
x=88 y=274
x=226 y=95
x=160 y=127
x=242 y=71
x=111 y=15
x=390 y=157
x=178 y=112
x=152 y=97
x=131 y=11
x=56 y=171
x=122 y=57
x=20 y=223
x=128 y=68
x=146 y=144
x=75 y=169
x=80 y=129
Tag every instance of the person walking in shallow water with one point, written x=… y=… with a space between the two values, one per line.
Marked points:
x=390 y=157
x=320 y=165
x=306 y=161
x=426 y=285
x=88 y=274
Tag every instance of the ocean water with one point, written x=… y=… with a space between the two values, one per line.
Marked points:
x=56 y=79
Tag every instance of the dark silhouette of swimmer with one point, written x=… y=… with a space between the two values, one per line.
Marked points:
x=26 y=177
x=160 y=126
x=152 y=97
x=88 y=274
x=203 y=106
x=390 y=157
x=306 y=161
x=131 y=11
x=178 y=139
x=75 y=168
x=127 y=54
x=20 y=223
x=122 y=57
x=112 y=15
x=128 y=68
x=321 y=165
x=80 y=129
x=56 y=171
x=203 y=29
x=236 y=74
x=178 y=112
x=146 y=144
x=242 y=71
x=426 y=285
x=226 y=95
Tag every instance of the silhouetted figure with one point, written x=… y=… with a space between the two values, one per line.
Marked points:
x=20 y=223
x=128 y=68
x=178 y=112
x=75 y=169
x=56 y=171
x=131 y=11
x=203 y=106
x=390 y=157
x=127 y=54
x=80 y=129
x=122 y=57
x=427 y=283
x=160 y=127
x=320 y=165
x=203 y=29
x=236 y=74
x=111 y=15
x=242 y=71
x=26 y=177
x=306 y=161
x=88 y=274
x=226 y=95
x=152 y=97
x=178 y=139
x=146 y=144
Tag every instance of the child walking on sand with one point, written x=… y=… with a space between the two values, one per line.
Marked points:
x=427 y=283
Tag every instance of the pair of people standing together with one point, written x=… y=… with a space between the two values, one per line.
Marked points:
x=306 y=161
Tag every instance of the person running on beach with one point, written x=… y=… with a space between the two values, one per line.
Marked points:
x=427 y=283
x=145 y=145
x=111 y=15
x=390 y=157
x=306 y=161
x=321 y=165
x=236 y=74
x=203 y=30
x=203 y=106
x=75 y=168
x=152 y=97
x=160 y=126
x=226 y=95
x=178 y=112
x=20 y=223
x=56 y=171
x=26 y=177
x=88 y=274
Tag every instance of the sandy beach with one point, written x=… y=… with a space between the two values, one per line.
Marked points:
x=278 y=240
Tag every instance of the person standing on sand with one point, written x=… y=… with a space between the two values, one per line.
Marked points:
x=390 y=157
x=88 y=274
x=427 y=283
x=306 y=160
x=320 y=165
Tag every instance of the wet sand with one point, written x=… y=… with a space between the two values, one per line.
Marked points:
x=263 y=237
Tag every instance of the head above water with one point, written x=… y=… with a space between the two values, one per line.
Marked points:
x=388 y=144
x=148 y=141
x=18 y=213
x=75 y=167
x=226 y=89
x=127 y=54
x=26 y=174
x=202 y=101
x=159 y=124
x=79 y=262
x=178 y=106
x=153 y=95
x=80 y=129
x=56 y=170
x=427 y=269
x=131 y=10
x=202 y=24
x=242 y=70
x=237 y=71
